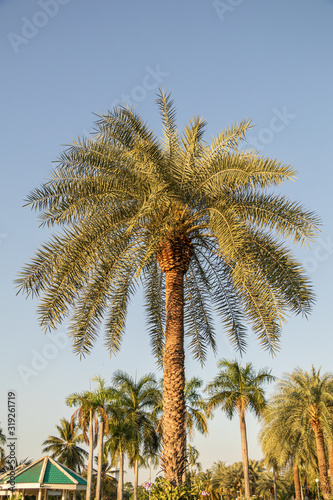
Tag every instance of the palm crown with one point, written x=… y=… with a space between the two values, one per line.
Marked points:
x=129 y=202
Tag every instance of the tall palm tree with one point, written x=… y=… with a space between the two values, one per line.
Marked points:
x=308 y=407
x=192 y=222
x=65 y=446
x=138 y=398
x=86 y=417
x=239 y=389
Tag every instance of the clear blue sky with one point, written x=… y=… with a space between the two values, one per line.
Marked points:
x=62 y=61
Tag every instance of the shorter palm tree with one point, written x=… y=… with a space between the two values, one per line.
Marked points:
x=137 y=399
x=64 y=447
x=86 y=418
x=239 y=389
x=123 y=435
x=304 y=401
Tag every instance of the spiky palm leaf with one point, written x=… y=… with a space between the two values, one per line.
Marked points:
x=65 y=446
x=120 y=195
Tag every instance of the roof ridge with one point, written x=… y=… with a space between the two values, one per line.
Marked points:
x=43 y=469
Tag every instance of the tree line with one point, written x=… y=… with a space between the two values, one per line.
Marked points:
x=125 y=419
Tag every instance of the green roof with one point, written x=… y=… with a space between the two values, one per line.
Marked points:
x=54 y=473
x=30 y=475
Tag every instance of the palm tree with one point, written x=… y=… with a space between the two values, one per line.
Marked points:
x=238 y=389
x=192 y=222
x=102 y=397
x=307 y=402
x=284 y=445
x=65 y=447
x=138 y=398
x=196 y=407
x=108 y=481
x=86 y=418
x=192 y=459
x=123 y=433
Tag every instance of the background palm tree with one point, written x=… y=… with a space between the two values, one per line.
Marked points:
x=86 y=418
x=64 y=447
x=306 y=401
x=284 y=445
x=196 y=407
x=193 y=221
x=102 y=397
x=239 y=389
x=138 y=399
x=122 y=438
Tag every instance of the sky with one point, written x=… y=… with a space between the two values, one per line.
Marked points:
x=62 y=62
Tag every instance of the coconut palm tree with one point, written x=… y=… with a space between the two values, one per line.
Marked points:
x=122 y=436
x=196 y=407
x=192 y=222
x=86 y=418
x=64 y=447
x=102 y=398
x=238 y=389
x=308 y=406
x=192 y=459
x=138 y=398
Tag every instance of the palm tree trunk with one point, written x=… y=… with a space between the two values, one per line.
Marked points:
x=136 y=479
x=244 y=454
x=174 y=433
x=100 y=459
x=121 y=477
x=90 y=457
x=297 y=483
x=322 y=464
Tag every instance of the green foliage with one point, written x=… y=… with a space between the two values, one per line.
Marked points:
x=122 y=196
x=238 y=389
x=163 y=490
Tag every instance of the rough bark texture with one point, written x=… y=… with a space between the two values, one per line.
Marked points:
x=322 y=464
x=100 y=460
x=174 y=259
x=121 y=477
x=90 y=458
x=244 y=454
x=297 y=483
